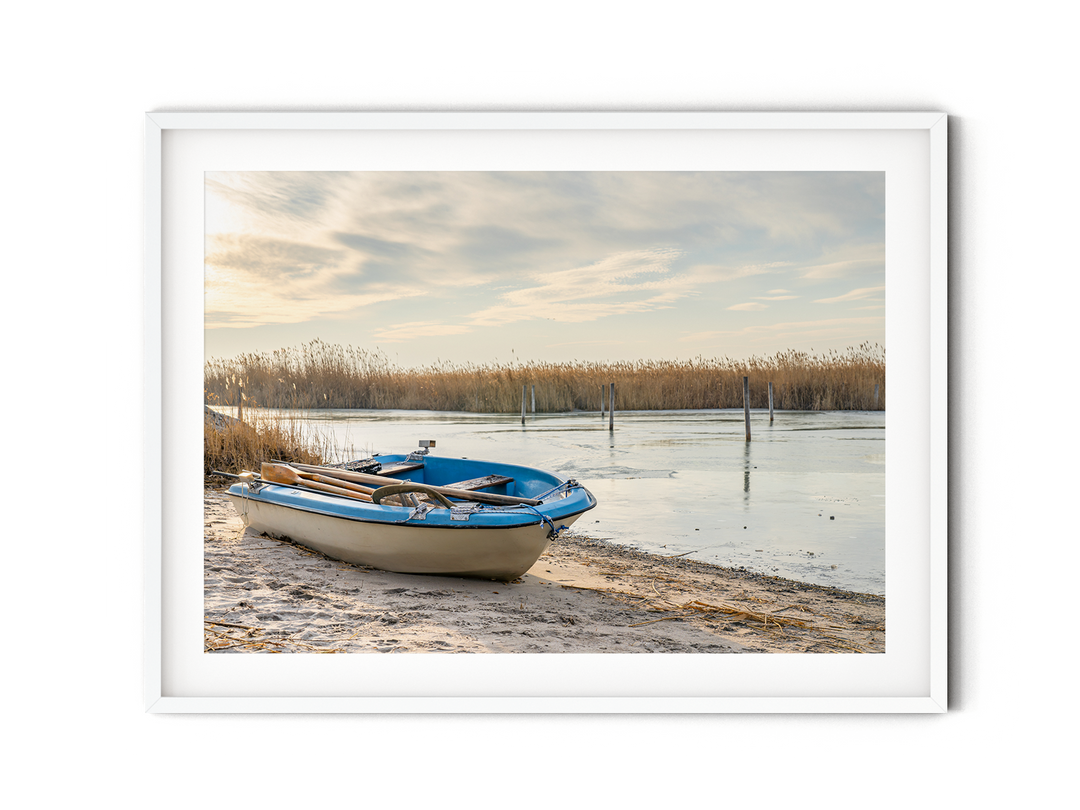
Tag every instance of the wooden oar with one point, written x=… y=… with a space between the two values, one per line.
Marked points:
x=252 y=479
x=450 y=492
x=334 y=482
x=289 y=474
x=284 y=474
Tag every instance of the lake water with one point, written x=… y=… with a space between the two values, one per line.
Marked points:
x=805 y=499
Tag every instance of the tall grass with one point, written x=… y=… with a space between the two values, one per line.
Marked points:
x=232 y=446
x=322 y=375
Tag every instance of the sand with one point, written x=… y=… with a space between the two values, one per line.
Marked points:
x=583 y=595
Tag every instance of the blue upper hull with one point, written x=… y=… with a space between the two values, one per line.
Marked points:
x=561 y=500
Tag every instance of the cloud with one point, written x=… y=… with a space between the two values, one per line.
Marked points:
x=706 y=273
x=401 y=332
x=268 y=258
x=635 y=281
x=280 y=200
x=749 y=306
x=568 y=313
x=848 y=261
x=229 y=306
x=854 y=295
x=785 y=334
x=252 y=280
x=775 y=297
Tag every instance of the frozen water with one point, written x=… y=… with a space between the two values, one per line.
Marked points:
x=805 y=499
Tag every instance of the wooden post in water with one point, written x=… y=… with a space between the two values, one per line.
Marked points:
x=601 y=402
x=875 y=395
x=611 y=408
x=523 y=404
x=746 y=404
x=770 y=403
x=533 y=399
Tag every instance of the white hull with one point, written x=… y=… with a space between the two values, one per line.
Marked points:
x=502 y=553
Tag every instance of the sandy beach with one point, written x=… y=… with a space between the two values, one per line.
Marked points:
x=583 y=595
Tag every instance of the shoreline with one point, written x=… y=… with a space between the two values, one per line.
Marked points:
x=583 y=595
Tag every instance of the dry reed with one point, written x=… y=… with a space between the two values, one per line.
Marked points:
x=322 y=375
x=232 y=446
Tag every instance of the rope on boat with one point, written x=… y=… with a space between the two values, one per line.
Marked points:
x=247 y=481
x=566 y=486
x=545 y=518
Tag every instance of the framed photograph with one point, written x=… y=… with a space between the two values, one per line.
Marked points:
x=900 y=157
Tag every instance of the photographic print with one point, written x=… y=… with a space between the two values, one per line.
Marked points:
x=619 y=412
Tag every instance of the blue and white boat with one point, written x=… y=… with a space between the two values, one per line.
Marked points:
x=419 y=514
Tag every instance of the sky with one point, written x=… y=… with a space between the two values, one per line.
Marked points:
x=496 y=267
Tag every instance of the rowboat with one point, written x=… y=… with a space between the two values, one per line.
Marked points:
x=418 y=514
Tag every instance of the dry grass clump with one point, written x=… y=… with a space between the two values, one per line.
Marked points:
x=730 y=612
x=231 y=445
x=252 y=638
x=769 y=620
x=320 y=375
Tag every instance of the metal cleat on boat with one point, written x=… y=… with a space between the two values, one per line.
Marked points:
x=425 y=448
x=462 y=511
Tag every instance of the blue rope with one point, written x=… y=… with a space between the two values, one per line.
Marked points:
x=541 y=515
x=552 y=531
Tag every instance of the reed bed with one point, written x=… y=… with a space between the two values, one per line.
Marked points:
x=232 y=446
x=322 y=375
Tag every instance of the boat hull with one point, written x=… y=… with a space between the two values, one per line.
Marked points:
x=500 y=543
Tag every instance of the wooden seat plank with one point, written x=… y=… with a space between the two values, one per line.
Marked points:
x=400 y=467
x=474 y=484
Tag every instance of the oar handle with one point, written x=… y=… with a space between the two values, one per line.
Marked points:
x=284 y=474
x=302 y=486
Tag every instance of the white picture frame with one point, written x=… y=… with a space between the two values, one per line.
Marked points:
x=911 y=677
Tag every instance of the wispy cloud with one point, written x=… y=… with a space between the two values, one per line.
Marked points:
x=848 y=261
x=749 y=306
x=412 y=330
x=788 y=333
x=709 y=273
x=267 y=259
x=854 y=295
x=636 y=281
x=226 y=306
